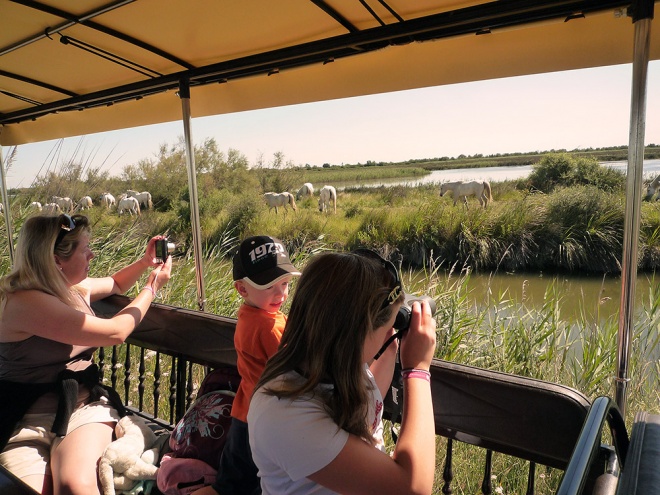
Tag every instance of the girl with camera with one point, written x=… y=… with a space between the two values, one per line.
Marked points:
x=60 y=418
x=312 y=416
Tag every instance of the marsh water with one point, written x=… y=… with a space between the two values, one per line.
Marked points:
x=491 y=174
x=596 y=297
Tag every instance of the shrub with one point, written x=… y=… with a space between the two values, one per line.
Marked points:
x=561 y=169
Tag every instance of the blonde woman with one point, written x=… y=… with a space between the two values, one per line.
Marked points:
x=60 y=418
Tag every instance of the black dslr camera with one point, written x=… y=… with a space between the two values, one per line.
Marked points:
x=402 y=321
x=163 y=249
x=393 y=401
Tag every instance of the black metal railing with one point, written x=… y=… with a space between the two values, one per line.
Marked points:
x=167 y=356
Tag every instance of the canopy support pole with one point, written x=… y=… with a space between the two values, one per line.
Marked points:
x=6 y=209
x=184 y=94
x=642 y=17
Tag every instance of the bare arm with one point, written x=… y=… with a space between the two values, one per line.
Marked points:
x=57 y=321
x=362 y=469
x=122 y=280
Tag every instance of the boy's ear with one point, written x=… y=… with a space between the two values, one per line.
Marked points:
x=240 y=287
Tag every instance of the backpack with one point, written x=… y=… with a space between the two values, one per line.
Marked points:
x=201 y=433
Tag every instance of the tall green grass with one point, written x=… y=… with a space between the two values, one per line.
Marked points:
x=500 y=333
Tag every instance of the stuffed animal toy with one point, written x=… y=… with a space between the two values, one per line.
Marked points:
x=130 y=458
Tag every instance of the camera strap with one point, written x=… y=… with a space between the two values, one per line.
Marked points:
x=393 y=401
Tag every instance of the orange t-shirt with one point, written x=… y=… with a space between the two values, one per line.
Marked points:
x=258 y=334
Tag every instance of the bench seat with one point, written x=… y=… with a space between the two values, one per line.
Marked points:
x=641 y=473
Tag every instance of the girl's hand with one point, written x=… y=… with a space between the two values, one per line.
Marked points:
x=418 y=343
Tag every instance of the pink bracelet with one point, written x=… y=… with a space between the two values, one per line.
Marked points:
x=416 y=373
x=150 y=289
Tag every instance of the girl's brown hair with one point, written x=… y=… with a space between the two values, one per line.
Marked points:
x=338 y=301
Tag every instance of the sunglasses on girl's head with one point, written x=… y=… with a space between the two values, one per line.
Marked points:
x=397 y=288
x=67 y=224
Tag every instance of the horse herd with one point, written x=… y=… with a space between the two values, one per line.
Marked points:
x=328 y=194
x=131 y=201
x=128 y=202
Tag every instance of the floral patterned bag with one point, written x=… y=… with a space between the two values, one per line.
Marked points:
x=202 y=432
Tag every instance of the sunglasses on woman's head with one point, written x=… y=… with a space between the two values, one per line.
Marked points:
x=67 y=224
x=397 y=288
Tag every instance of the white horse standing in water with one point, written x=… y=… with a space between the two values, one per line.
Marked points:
x=275 y=200
x=462 y=189
x=327 y=194
x=307 y=189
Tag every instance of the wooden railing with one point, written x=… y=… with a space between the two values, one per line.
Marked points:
x=158 y=369
x=533 y=420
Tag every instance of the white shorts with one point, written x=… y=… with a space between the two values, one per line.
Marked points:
x=29 y=448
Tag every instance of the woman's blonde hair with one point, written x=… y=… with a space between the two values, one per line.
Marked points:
x=339 y=299
x=34 y=263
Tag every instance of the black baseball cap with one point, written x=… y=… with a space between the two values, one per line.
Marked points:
x=262 y=261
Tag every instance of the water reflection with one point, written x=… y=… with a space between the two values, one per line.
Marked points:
x=491 y=174
x=595 y=297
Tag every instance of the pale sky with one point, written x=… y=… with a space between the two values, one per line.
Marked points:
x=587 y=108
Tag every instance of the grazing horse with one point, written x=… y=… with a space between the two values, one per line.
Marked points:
x=327 y=194
x=51 y=209
x=65 y=204
x=462 y=189
x=307 y=189
x=85 y=203
x=274 y=200
x=652 y=188
x=107 y=200
x=129 y=204
x=144 y=197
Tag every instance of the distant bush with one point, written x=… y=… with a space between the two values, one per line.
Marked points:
x=562 y=169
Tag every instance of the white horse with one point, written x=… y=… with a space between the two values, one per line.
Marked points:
x=51 y=209
x=107 y=200
x=307 y=189
x=144 y=197
x=652 y=188
x=35 y=205
x=65 y=204
x=462 y=189
x=275 y=200
x=327 y=194
x=129 y=204
x=85 y=203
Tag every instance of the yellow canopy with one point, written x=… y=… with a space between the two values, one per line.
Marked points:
x=73 y=68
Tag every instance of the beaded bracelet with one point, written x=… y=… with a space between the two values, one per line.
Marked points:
x=416 y=373
x=150 y=288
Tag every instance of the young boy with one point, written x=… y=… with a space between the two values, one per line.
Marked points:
x=262 y=272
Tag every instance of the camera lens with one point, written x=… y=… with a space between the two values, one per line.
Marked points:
x=402 y=321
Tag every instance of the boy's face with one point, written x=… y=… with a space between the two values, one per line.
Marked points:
x=269 y=299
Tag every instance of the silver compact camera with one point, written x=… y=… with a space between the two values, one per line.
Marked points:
x=163 y=249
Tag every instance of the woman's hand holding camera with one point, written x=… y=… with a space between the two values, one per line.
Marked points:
x=161 y=274
x=418 y=343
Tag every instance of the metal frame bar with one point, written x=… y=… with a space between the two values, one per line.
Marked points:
x=642 y=16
